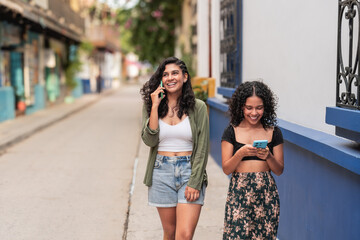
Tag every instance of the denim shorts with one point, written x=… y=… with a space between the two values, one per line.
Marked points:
x=170 y=178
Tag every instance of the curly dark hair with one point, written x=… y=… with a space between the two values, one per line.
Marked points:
x=248 y=89
x=185 y=102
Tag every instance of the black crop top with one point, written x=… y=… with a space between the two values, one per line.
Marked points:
x=229 y=136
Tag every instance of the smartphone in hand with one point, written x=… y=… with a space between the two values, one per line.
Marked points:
x=161 y=94
x=260 y=143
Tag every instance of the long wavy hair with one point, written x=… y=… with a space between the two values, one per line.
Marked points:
x=248 y=89
x=185 y=102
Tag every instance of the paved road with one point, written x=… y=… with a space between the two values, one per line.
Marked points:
x=72 y=179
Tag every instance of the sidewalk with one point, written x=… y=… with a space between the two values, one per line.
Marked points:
x=144 y=221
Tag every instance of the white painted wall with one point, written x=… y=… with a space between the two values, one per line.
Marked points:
x=42 y=3
x=112 y=65
x=291 y=45
x=202 y=38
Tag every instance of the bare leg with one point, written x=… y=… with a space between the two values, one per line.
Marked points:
x=187 y=216
x=168 y=221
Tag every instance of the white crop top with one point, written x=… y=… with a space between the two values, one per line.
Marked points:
x=175 y=138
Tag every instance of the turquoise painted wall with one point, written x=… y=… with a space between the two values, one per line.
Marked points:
x=39 y=100
x=78 y=91
x=7 y=104
x=17 y=75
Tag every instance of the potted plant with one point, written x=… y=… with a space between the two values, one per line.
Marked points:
x=200 y=93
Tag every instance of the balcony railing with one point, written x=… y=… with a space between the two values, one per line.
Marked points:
x=67 y=16
x=104 y=36
x=348 y=64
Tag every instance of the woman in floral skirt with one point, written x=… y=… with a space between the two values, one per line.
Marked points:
x=252 y=206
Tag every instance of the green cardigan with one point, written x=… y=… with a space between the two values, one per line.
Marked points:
x=199 y=123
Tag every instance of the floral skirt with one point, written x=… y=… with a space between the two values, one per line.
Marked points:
x=252 y=207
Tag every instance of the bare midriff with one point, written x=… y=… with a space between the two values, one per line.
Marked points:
x=173 y=154
x=252 y=166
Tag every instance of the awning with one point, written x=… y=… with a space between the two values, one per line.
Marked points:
x=39 y=17
x=13 y=6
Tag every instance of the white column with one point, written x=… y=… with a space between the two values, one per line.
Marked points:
x=215 y=42
x=202 y=38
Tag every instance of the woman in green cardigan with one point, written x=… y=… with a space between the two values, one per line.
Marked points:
x=176 y=128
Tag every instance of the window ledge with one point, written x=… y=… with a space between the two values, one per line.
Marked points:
x=340 y=151
x=226 y=92
x=217 y=104
x=346 y=122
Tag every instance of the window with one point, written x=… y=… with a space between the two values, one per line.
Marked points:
x=348 y=49
x=230 y=43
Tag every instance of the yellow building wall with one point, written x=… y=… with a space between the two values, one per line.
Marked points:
x=185 y=36
x=75 y=6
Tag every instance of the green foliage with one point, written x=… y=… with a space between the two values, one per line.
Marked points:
x=200 y=93
x=152 y=25
x=188 y=60
x=123 y=17
x=72 y=67
x=87 y=47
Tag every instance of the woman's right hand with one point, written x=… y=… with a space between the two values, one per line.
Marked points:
x=155 y=96
x=230 y=162
x=247 y=150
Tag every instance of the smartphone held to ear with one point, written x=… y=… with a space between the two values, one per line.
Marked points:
x=260 y=143
x=161 y=94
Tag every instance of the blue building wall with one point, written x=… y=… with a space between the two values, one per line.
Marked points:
x=320 y=187
x=318 y=199
x=107 y=83
x=40 y=101
x=218 y=122
x=78 y=91
x=86 y=87
x=346 y=122
x=7 y=104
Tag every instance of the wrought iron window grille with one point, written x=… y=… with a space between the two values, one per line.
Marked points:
x=347 y=73
x=230 y=43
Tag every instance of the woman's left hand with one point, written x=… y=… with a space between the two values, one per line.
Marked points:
x=191 y=194
x=262 y=153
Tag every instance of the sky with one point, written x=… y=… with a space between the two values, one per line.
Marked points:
x=120 y=3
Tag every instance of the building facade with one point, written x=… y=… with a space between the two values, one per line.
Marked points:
x=105 y=61
x=307 y=52
x=40 y=42
x=35 y=39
